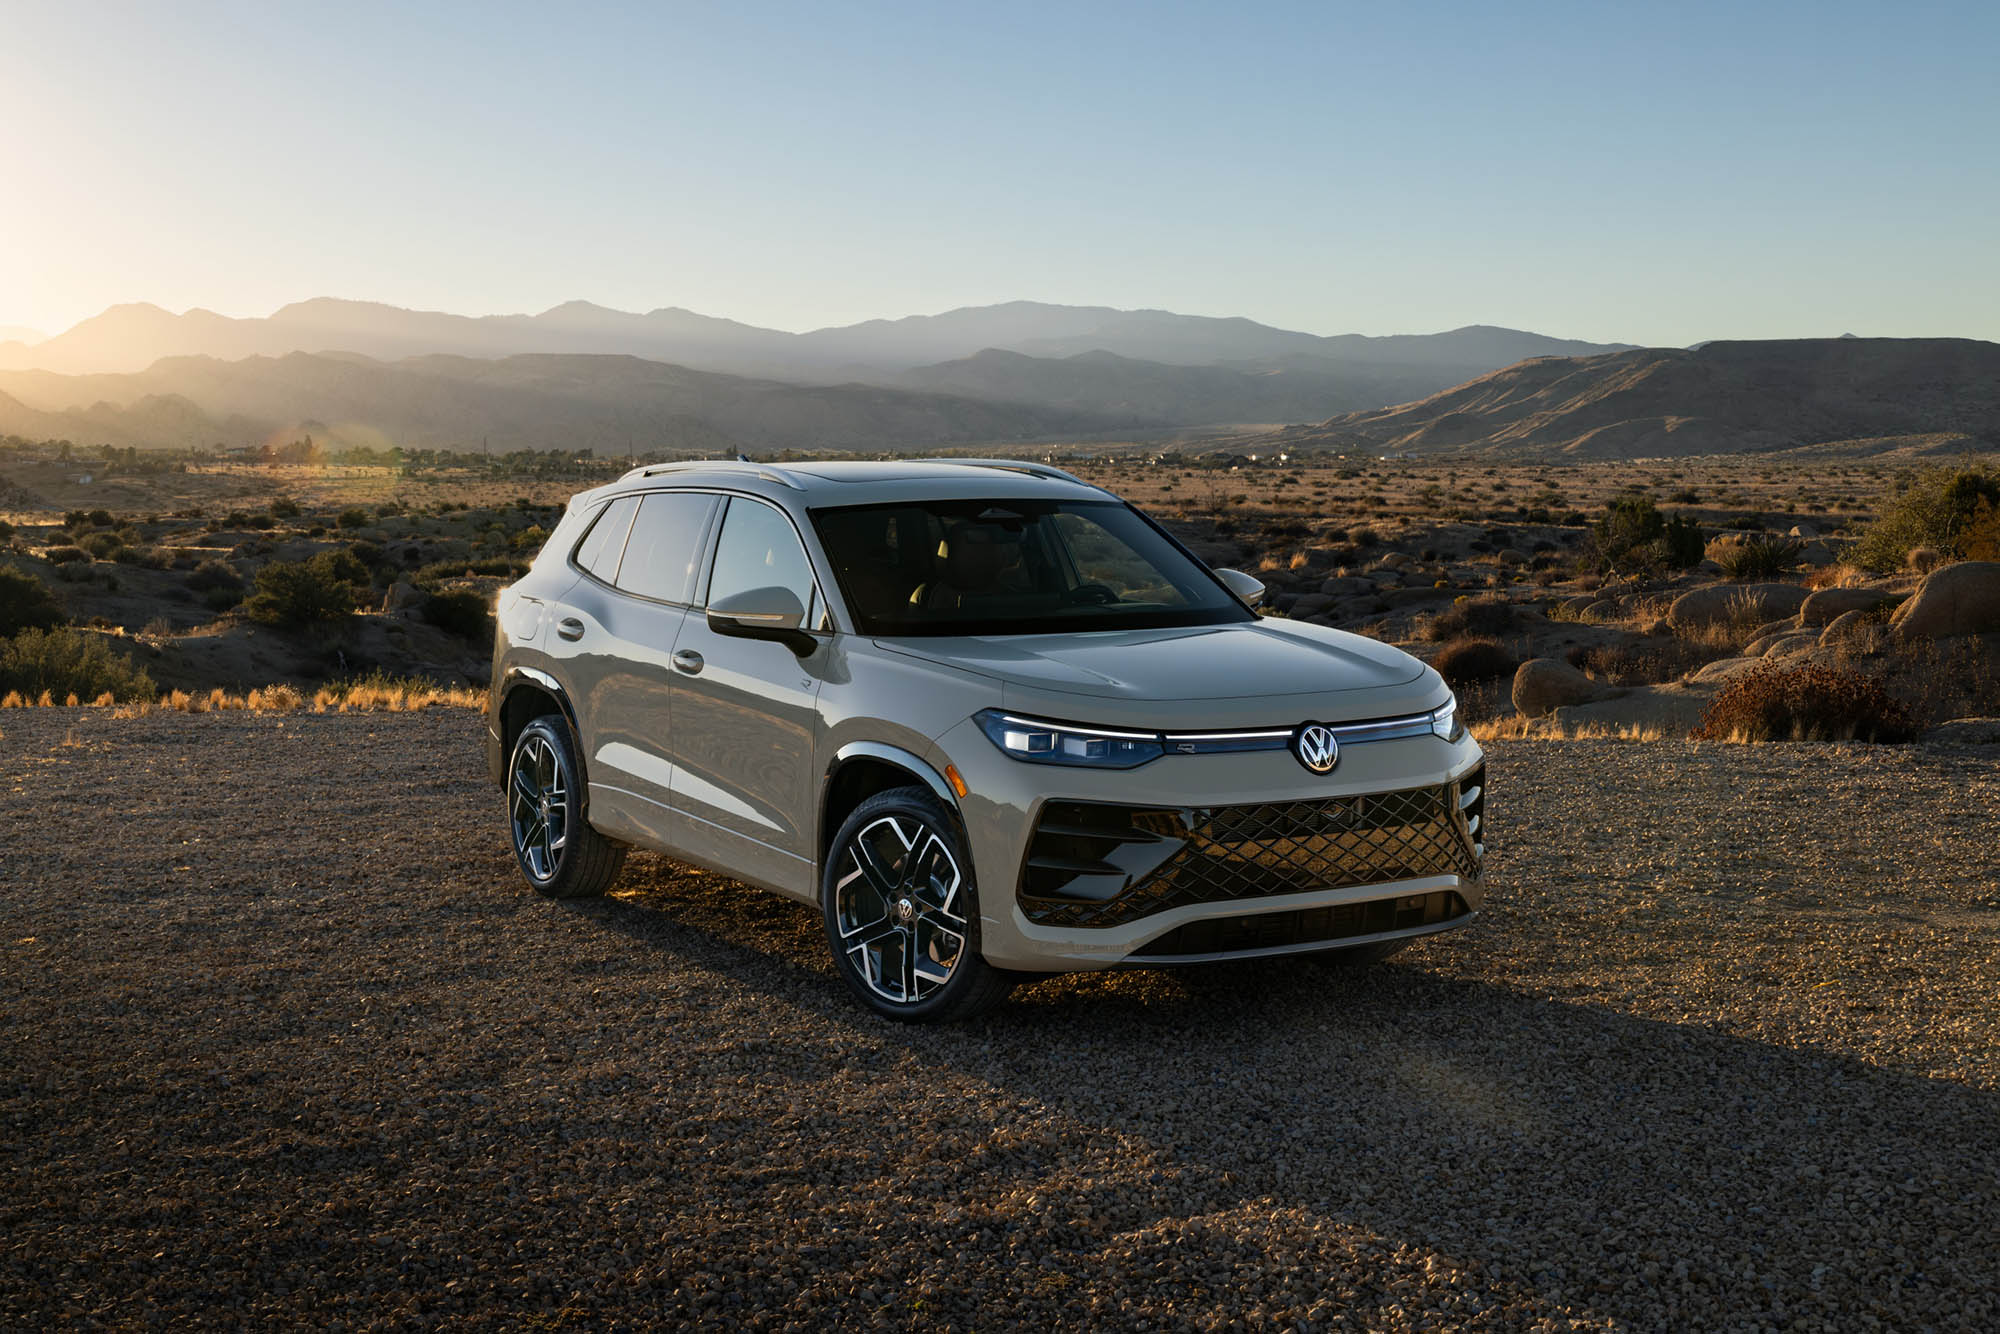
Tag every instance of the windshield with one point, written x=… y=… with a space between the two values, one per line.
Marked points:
x=996 y=567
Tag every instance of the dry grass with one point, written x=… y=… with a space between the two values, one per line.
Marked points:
x=1517 y=727
x=372 y=695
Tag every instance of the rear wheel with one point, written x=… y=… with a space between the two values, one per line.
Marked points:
x=558 y=851
x=902 y=913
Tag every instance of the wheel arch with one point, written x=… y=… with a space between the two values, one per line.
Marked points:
x=528 y=693
x=859 y=770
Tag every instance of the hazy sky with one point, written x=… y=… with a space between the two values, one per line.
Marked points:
x=1658 y=173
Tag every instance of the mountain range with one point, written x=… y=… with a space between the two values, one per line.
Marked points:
x=1723 y=397
x=133 y=337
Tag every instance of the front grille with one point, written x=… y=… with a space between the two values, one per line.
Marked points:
x=1306 y=926
x=1092 y=865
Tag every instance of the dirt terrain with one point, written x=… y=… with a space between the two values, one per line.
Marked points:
x=286 y=1041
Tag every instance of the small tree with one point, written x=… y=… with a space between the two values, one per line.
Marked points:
x=26 y=603
x=300 y=593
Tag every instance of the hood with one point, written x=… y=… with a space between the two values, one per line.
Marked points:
x=1264 y=672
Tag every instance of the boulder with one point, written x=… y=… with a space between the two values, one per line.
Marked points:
x=1347 y=586
x=1849 y=625
x=1720 y=602
x=1804 y=530
x=1965 y=732
x=1310 y=603
x=1816 y=554
x=1509 y=556
x=1960 y=599
x=1823 y=607
x=1724 y=669
x=1672 y=709
x=1542 y=685
x=1395 y=560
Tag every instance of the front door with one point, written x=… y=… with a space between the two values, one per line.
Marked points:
x=745 y=715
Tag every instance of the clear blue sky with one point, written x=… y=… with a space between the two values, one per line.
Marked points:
x=1653 y=173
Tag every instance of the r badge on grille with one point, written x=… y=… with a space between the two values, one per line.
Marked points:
x=1316 y=747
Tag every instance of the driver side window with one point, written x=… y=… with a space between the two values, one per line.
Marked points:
x=759 y=549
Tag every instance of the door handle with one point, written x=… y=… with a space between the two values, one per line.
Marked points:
x=570 y=628
x=688 y=660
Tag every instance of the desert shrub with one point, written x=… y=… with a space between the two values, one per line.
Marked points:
x=1941 y=508
x=463 y=614
x=530 y=539
x=1465 y=662
x=103 y=546
x=26 y=603
x=354 y=518
x=100 y=518
x=212 y=574
x=389 y=509
x=65 y=555
x=1755 y=557
x=297 y=593
x=284 y=507
x=66 y=662
x=221 y=599
x=368 y=553
x=6 y=530
x=1809 y=703
x=1471 y=619
x=1634 y=533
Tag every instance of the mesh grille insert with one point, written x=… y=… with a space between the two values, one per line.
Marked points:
x=1092 y=865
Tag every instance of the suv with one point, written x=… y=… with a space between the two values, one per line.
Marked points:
x=991 y=720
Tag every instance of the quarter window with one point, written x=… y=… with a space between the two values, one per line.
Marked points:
x=598 y=553
x=665 y=545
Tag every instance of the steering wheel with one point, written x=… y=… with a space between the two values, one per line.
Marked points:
x=1091 y=595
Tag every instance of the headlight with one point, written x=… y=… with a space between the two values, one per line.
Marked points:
x=1039 y=741
x=1444 y=721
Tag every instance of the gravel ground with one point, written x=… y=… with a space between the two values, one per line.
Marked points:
x=284 y=1041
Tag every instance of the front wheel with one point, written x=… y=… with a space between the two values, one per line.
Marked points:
x=558 y=851
x=902 y=914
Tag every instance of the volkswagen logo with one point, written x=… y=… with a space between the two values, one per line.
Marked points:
x=1317 y=747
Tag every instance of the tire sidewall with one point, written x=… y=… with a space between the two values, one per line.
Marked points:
x=918 y=804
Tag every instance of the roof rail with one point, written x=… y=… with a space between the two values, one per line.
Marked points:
x=764 y=470
x=1042 y=470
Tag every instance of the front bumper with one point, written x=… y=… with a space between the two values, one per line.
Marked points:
x=1196 y=857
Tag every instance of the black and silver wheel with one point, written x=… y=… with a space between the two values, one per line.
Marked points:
x=902 y=913
x=558 y=851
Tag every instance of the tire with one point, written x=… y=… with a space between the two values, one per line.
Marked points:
x=896 y=893
x=555 y=847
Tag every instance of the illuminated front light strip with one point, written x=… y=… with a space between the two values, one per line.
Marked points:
x=1038 y=725
x=1228 y=736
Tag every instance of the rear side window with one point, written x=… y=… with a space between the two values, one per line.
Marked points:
x=598 y=553
x=665 y=545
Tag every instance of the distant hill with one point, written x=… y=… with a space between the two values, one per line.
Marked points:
x=1723 y=397
x=15 y=333
x=1106 y=384
x=130 y=338
x=610 y=404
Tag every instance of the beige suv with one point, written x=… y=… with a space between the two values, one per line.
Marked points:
x=992 y=721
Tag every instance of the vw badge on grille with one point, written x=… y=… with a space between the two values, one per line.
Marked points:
x=1317 y=748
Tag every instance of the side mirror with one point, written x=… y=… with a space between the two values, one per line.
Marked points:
x=1245 y=586
x=763 y=613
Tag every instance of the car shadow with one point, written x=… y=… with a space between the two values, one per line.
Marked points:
x=1581 y=1153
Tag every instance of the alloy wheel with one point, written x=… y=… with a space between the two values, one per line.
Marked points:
x=897 y=904
x=538 y=805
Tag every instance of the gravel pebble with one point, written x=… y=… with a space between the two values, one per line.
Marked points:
x=284 y=1040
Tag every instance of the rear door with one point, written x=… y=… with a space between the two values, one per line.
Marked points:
x=626 y=614
x=746 y=710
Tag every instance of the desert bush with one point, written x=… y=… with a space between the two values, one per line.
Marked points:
x=100 y=519
x=6 y=530
x=1944 y=508
x=351 y=518
x=1465 y=662
x=1470 y=619
x=1809 y=703
x=530 y=539
x=457 y=569
x=102 y=546
x=1633 y=533
x=26 y=603
x=284 y=507
x=1749 y=558
x=463 y=614
x=298 y=593
x=65 y=555
x=212 y=574
x=64 y=662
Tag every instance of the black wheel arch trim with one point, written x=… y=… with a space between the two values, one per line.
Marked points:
x=881 y=752
x=519 y=678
